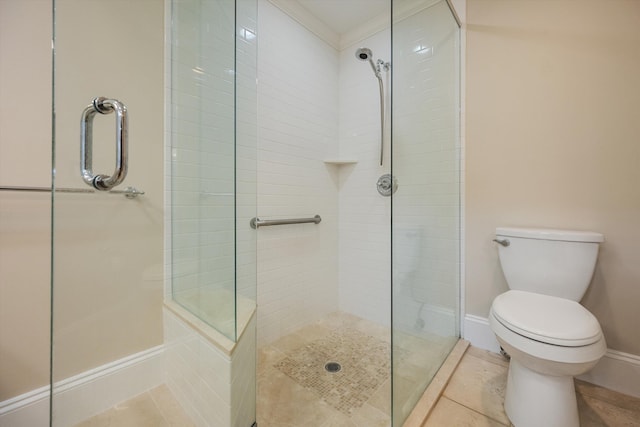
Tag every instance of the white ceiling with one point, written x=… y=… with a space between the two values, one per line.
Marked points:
x=344 y=15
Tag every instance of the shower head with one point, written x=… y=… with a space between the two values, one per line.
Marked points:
x=364 y=54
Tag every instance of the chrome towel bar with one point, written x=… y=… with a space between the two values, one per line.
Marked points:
x=129 y=192
x=257 y=222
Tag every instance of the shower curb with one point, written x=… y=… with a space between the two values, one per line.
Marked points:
x=430 y=397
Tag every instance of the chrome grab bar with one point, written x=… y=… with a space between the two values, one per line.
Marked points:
x=257 y=222
x=129 y=192
x=103 y=105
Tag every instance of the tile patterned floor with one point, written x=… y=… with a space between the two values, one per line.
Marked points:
x=364 y=366
x=155 y=408
x=475 y=394
x=472 y=398
x=294 y=390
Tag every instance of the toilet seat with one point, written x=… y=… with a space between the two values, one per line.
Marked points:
x=546 y=319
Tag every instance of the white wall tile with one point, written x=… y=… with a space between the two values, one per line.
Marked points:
x=297 y=128
x=210 y=384
x=365 y=216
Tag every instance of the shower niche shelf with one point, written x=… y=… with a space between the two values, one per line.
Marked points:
x=340 y=162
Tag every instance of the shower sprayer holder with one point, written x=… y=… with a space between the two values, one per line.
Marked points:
x=383 y=66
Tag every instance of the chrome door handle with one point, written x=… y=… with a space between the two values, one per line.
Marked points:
x=104 y=105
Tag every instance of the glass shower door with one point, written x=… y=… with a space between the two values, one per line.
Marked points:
x=107 y=246
x=154 y=187
x=426 y=207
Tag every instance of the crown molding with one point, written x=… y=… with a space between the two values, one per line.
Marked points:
x=402 y=10
x=309 y=21
x=365 y=30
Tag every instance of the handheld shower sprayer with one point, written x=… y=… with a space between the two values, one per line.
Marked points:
x=365 y=54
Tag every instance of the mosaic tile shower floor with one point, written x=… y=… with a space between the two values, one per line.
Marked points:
x=365 y=366
x=295 y=390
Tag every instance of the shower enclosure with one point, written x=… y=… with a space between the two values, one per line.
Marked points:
x=129 y=269
x=373 y=288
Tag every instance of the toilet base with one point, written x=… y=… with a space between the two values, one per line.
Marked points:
x=534 y=400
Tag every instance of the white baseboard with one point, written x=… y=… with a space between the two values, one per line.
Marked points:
x=616 y=370
x=26 y=410
x=478 y=332
x=87 y=394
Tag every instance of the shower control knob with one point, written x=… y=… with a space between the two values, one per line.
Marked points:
x=387 y=185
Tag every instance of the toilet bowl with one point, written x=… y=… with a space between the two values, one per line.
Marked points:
x=544 y=358
x=550 y=337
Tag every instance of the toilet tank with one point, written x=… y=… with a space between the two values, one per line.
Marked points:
x=550 y=262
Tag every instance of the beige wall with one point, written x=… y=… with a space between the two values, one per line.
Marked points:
x=553 y=140
x=108 y=250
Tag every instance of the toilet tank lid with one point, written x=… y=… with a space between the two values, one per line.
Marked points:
x=551 y=234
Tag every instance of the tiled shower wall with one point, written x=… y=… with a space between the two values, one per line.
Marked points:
x=365 y=215
x=316 y=102
x=213 y=386
x=297 y=130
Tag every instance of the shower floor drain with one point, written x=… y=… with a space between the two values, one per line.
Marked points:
x=332 y=367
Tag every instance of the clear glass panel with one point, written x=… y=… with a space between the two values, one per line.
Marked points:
x=109 y=259
x=246 y=158
x=212 y=197
x=426 y=207
x=107 y=248
x=203 y=160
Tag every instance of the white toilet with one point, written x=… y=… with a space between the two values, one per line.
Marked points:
x=550 y=337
